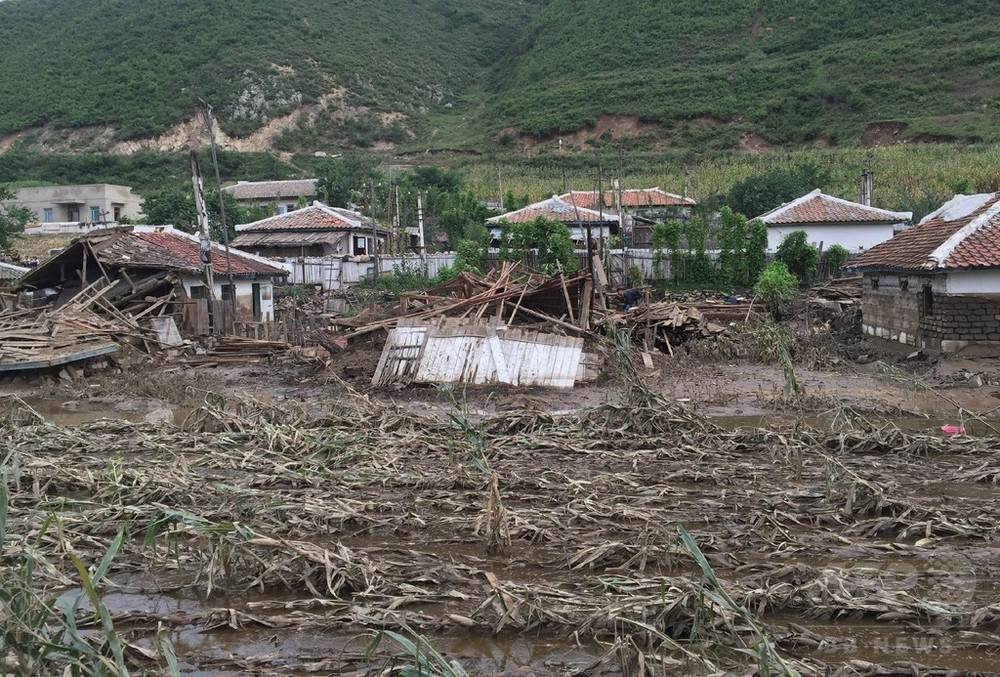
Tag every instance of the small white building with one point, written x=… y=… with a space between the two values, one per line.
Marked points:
x=282 y=196
x=579 y=220
x=829 y=220
x=316 y=230
x=76 y=209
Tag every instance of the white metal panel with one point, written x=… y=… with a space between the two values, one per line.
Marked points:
x=475 y=353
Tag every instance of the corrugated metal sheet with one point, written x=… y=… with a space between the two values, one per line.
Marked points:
x=477 y=353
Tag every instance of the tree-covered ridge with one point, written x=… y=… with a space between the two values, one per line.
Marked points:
x=703 y=74
x=791 y=71
x=136 y=64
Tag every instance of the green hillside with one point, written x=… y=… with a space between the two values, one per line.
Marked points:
x=127 y=63
x=466 y=73
x=792 y=71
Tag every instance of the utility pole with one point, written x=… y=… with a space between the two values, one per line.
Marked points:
x=420 y=228
x=207 y=108
x=202 y=216
x=371 y=215
x=500 y=184
x=562 y=163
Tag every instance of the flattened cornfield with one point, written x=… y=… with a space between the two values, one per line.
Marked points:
x=634 y=539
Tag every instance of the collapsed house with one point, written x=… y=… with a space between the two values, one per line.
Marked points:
x=140 y=286
x=513 y=326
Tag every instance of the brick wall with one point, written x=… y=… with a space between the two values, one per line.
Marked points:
x=962 y=318
x=894 y=310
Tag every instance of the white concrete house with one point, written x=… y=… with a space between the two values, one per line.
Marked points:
x=829 y=220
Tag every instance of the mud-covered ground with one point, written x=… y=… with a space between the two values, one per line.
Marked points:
x=282 y=538
x=851 y=535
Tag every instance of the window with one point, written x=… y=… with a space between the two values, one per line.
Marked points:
x=95 y=214
x=904 y=284
x=47 y=215
x=199 y=291
x=72 y=214
x=360 y=245
x=874 y=282
x=227 y=292
x=118 y=213
x=282 y=209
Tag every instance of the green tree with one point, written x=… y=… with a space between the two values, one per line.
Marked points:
x=798 y=255
x=176 y=207
x=343 y=181
x=756 y=249
x=13 y=218
x=733 y=247
x=759 y=194
x=700 y=267
x=836 y=257
x=551 y=239
x=775 y=288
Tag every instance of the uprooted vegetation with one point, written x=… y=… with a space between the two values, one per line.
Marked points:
x=621 y=539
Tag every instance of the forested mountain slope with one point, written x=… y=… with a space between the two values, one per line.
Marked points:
x=471 y=72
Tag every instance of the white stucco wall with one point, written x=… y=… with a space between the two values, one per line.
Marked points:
x=854 y=237
x=244 y=293
x=974 y=282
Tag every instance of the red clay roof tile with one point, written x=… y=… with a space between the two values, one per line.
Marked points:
x=317 y=216
x=172 y=250
x=963 y=233
x=817 y=207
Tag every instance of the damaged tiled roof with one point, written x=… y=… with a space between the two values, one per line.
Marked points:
x=555 y=209
x=963 y=233
x=169 y=249
x=9 y=272
x=317 y=216
x=272 y=190
x=631 y=198
x=817 y=207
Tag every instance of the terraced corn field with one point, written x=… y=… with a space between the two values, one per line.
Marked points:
x=634 y=539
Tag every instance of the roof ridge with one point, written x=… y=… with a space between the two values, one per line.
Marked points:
x=782 y=208
x=938 y=257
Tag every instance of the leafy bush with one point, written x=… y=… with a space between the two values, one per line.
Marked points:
x=836 y=257
x=13 y=218
x=551 y=239
x=776 y=288
x=759 y=194
x=800 y=257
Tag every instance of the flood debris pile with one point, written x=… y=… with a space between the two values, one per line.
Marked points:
x=122 y=288
x=86 y=324
x=822 y=553
x=514 y=326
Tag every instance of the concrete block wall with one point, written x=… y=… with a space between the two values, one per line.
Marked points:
x=894 y=311
x=963 y=318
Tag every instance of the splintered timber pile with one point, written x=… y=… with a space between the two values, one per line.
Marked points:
x=512 y=294
x=555 y=539
x=237 y=349
x=87 y=325
x=666 y=324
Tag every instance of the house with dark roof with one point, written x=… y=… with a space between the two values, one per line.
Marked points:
x=601 y=224
x=829 y=220
x=316 y=230
x=149 y=260
x=937 y=285
x=282 y=196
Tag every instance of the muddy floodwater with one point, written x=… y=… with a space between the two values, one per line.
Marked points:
x=622 y=539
